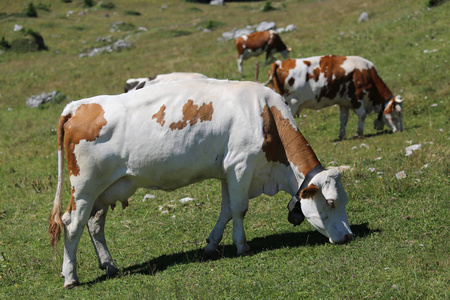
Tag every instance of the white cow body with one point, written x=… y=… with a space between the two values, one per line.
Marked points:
x=139 y=83
x=170 y=135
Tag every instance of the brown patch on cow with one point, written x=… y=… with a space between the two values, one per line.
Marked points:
x=255 y=40
x=284 y=143
x=279 y=73
x=260 y=40
x=159 y=116
x=272 y=145
x=150 y=78
x=356 y=84
x=192 y=114
x=308 y=63
x=72 y=205
x=85 y=124
x=309 y=192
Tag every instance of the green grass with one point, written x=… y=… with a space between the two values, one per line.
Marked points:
x=401 y=248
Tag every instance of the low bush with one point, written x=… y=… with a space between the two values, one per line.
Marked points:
x=31 y=11
x=4 y=45
x=132 y=13
x=107 y=5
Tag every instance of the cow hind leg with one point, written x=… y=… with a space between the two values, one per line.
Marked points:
x=120 y=191
x=72 y=234
x=225 y=216
x=96 y=228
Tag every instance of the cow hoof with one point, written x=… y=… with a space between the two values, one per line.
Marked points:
x=69 y=286
x=111 y=270
x=211 y=253
x=244 y=251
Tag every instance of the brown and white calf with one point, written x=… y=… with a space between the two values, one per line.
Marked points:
x=170 y=135
x=139 y=83
x=257 y=43
x=351 y=82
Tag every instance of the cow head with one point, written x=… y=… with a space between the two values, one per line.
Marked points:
x=323 y=204
x=134 y=84
x=285 y=53
x=392 y=115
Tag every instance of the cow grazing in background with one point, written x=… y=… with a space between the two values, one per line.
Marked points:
x=170 y=135
x=351 y=82
x=138 y=83
x=259 y=42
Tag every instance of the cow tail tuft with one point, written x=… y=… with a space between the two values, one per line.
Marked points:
x=55 y=221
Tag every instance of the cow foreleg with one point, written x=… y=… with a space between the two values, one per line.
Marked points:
x=238 y=185
x=96 y=228
x=239 y=63
x=344 y=113
x=361 y=112
x=225 y=216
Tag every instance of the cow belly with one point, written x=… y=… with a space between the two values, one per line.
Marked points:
x=251 y=53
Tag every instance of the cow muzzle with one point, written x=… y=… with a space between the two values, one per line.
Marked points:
x=295 y=216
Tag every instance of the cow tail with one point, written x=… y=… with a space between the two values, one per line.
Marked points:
x=55 y=221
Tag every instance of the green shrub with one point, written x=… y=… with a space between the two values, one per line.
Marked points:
x=122 y=26
x=213 y=24
x=66 y=1
x=4 y=44
x=89 y=3
x=194 y=9
x=132 y=13
x=31 y=11
x=268 y=7
x=432 y=3
x=45 y=7
x=107 y=5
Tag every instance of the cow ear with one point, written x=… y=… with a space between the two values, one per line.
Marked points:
x=309 y=192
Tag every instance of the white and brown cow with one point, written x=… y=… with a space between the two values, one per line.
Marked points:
x=138 y=83
x=173 y=134
x=351 y=82
x=260 y=42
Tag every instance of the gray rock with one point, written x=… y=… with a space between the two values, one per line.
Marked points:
x=266 y=26
x=217 y=2
x=363 y=17
x=37 y=100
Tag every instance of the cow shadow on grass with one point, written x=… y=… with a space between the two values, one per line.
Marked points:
x=257 y=245
x=370 y=135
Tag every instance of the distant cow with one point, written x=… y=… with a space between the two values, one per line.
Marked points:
x=259 y=42
x=351 y=82
x=139 y=83
x=170 y=135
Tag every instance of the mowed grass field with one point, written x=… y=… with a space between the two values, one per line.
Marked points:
x=401 y=249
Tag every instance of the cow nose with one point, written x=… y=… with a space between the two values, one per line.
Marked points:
x=348 y=237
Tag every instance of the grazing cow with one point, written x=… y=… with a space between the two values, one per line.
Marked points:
x=257 y=43
x=170 y=135
x=351 y=82
x=138 y=83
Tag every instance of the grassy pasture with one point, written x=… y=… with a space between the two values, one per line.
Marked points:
x=402 y=246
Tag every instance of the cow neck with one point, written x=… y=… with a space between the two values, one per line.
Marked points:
x=383 y=106
x=298 y=151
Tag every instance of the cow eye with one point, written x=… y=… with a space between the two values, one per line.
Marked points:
x=330 y=202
